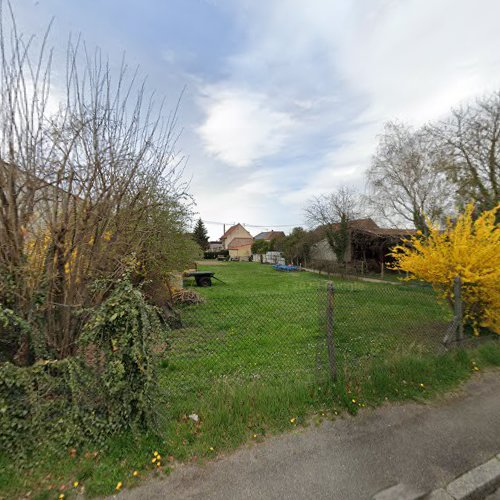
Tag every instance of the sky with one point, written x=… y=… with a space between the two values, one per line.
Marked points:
x=283 y=99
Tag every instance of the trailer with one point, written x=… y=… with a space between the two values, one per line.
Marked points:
x=202 y=278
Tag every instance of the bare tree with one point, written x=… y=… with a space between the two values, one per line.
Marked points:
x=469 y=146
x=85 y=193
x=404 y=184
x=333 y=212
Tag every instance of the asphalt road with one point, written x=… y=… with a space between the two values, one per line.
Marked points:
x=424 y=446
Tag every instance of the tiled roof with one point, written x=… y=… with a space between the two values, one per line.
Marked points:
x=269 y=235
x=231 y=229
x=239 y=242
x=367 y=226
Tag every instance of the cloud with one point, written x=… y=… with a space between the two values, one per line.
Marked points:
x=346 y=67
x=285 y=98
x=242 y=127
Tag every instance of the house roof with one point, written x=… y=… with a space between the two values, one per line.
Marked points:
x=384 y=231
x=239 y=242
x=232 y=229
x=269 y=235
x=367 y=226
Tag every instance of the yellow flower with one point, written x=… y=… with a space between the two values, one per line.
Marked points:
x=353 y=400
x=421 y=385
x=254 y=436
x=135 y=473
x=468 y=248
x=119 y=485
x=153 y=460
x=158 y=456
x=292 y=420
x=155 y=453
x=211 y=448
x=61 y=496
x=75 y=484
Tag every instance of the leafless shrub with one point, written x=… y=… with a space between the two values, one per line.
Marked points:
x=85 y=193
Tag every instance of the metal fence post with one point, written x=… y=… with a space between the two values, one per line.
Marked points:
x=458 y=309
x=329 y=330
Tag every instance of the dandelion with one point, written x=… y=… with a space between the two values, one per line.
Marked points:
x=61 y=496
x=135 y=473
x=158 y=457
x=292 y=420
x=211 y=448
x=353 y=401
x=155 y=453
x=421 y=385
x=119 y=485
x=254 y=436
x=75 y=484
x=153 y=460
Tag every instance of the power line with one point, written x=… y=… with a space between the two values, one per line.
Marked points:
x=250 y=225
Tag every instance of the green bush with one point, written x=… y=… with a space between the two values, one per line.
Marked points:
x=109 y=387
x=215 y=254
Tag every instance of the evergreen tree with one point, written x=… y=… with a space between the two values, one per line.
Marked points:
x=200 y=235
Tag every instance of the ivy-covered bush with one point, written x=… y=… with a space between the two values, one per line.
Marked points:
x=108 y=387
x=125 y=329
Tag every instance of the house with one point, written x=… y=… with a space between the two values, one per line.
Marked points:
x=368 y=243
x=269 y=235
x=238 y=241
x=214 y=246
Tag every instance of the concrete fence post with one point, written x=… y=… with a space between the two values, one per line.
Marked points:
x=329 y=330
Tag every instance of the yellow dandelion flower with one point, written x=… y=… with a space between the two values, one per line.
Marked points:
x=119 y=485
x=422 y=385
x=354 y=401
x=75 y=484
x=211 y=448
x=61 y=496
x=292 y=420
x=135 y=473
x=254 y=436
x=158 y=456
x=155 y=453
x=153 y=460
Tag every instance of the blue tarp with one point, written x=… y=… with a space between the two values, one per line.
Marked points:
x=281 y=267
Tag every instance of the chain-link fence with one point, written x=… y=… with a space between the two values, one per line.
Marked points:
x=238 y=338
x=368 y=322
x=301 y=335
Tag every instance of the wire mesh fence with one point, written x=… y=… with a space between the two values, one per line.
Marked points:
x=376 y=322
x=301 y=335
x=245 y=337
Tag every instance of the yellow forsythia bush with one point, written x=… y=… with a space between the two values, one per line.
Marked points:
x=467 y=248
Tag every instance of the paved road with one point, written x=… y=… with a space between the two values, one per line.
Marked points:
x=424 y=446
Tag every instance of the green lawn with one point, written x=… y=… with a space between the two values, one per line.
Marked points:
x=251 y=361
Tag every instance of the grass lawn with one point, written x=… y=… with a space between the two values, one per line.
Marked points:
x=251 y=361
